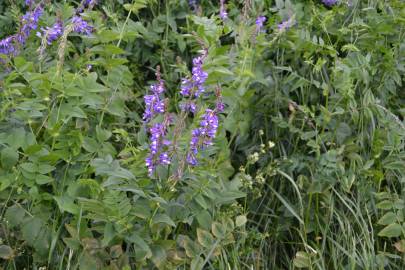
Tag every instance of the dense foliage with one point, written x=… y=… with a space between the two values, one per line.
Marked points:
x=240 y=134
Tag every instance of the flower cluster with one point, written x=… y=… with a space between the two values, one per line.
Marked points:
x=29 y=21
x=286 y=24
x=329 y=3
x=86 y=4
x=155 y=105
x=161 y=150
x=222 y=10
x=78 y=24
x=157 y=155
x=193 y=87
x=81 y=26
x=203 y=135
x=9 y=45
x=260 y=23
x=51 y=33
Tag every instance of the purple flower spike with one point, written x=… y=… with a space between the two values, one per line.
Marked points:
x=29 y=2
x=220 y=106
x=260 y=23
x=52 y=33
x=154 y=104
x=158 y=143
x=157 y=156
x=7 y=46
x=188 y=106
x=29 y=22
x=88 y=2
x=81 y=26
x=329 y=3
x=286 y=24
x=164 y=158
x=202 y=136
x=195 y=85
x=222 y=11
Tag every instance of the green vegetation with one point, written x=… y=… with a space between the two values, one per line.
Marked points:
x=306 y=170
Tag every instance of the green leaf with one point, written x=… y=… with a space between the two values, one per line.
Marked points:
x=16 y=139
x=90 y=145
x=201 y=201
x=67 y=204
x=197 y=263
x=392 y=230
x=385 y=205
x=15 y=215
x=136 y=6
x=163 y=218
x=205 y=238
x=302 y=260
x=9 y=157
x=36 y=233
x=192 y=248
x=204 y=219
x=240 y=221
x=106 y=35
x=29 y=167
x=6 y=252
x=229 y=196
x=140 y=243
x=45 y=168
x=102 y=134
x=109 y=234
x=43 y=179
x=218 y=229
x=89 y=84
x=159 y=256
x=388 y=218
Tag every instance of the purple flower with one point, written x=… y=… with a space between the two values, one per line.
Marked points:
x=329 y=3
x=220 y=106
x=156 y=154
x=188 y=106
x=7 y=46
x=84 y=4
x=164 y=158
x=286 y=24
x=195 y=84
x=81 y=26
x=222 y=11
x=88 y=2
x=52 y=33
x=153 y=103
x=29 y=2
x=203 y=135
x=158 y=88
x=29 y=22
x=158 y=144
x=260 y=23
x=193 y=4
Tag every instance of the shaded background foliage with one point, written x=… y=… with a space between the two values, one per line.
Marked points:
x=307 y=170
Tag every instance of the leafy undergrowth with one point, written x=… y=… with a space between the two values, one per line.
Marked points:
x=151 y=134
